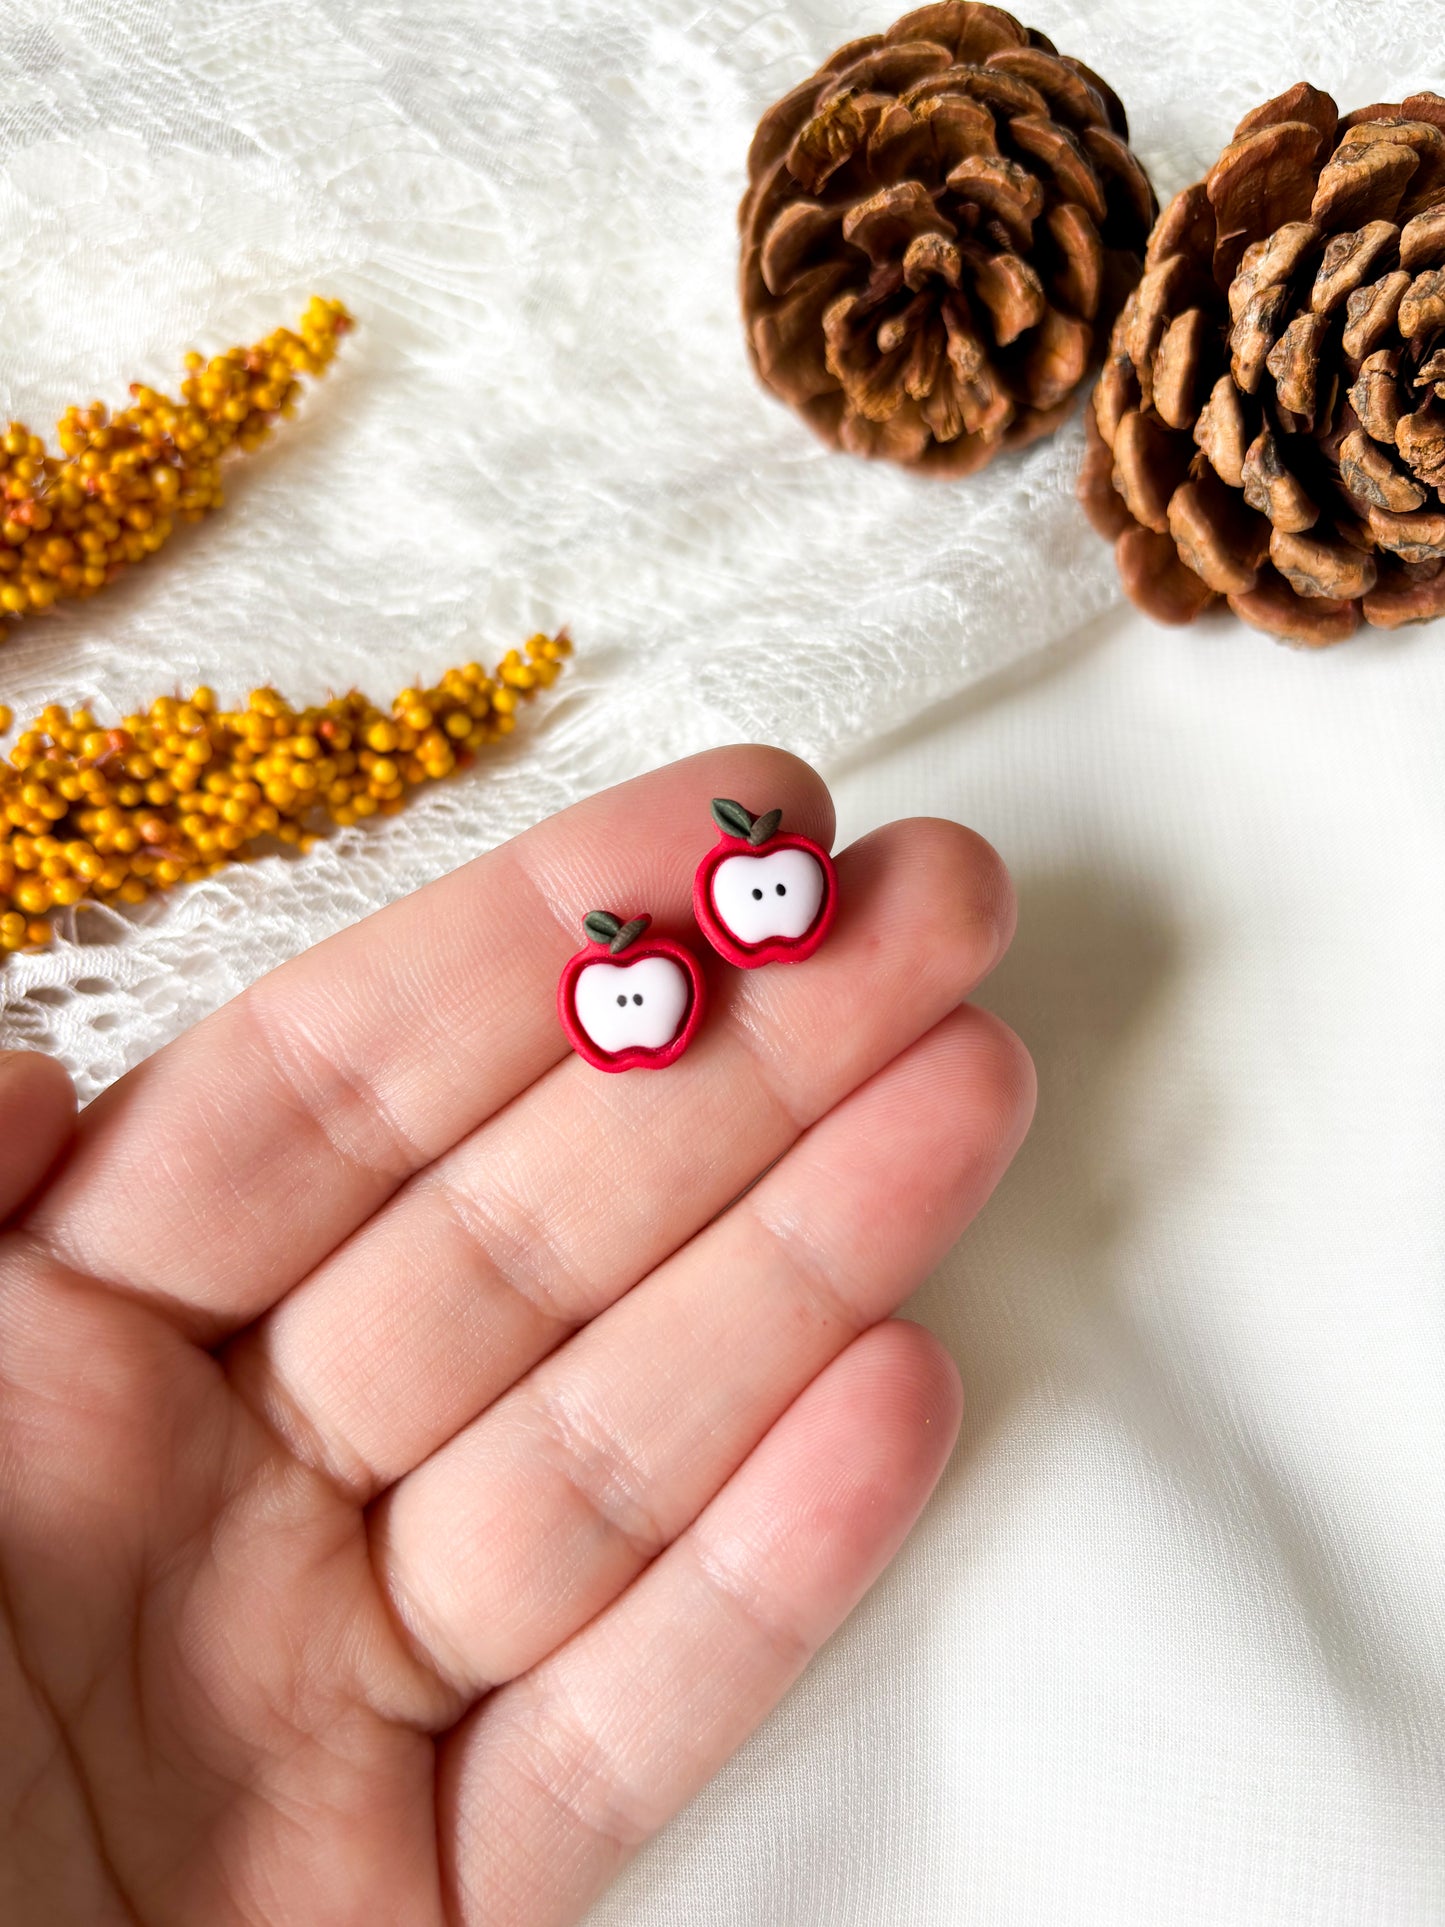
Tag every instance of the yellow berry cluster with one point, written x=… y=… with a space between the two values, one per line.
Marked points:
x=71 y=522
x=112 y=815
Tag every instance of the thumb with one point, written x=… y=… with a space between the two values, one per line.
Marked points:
x=37 y=1117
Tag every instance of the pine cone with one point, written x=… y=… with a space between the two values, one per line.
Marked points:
x=937 y=226
x=1270 y=424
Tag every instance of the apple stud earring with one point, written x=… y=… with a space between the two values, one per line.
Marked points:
x=760 y=895
x=630 y=1001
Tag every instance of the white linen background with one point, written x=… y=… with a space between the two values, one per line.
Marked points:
x=1169 y=1646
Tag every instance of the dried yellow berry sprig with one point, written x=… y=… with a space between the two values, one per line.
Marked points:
x=69 y=523
x=177 y=793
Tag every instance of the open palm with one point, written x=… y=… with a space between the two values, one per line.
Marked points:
x=424 y=1459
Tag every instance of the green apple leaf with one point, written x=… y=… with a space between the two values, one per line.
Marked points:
x=629 y=933
x=731 y=818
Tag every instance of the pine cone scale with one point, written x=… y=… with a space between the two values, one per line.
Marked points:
x=889 y=70
x=1063 y=92
x=1330 y=571
x=1363 y=183
x=791 y=346
x=1078 y=282
x=1300 y=102
x=1151 y=564
x=1422 y=241
x=778 y=129
x=987 y=87
x=1181 y=368
x=1220 y=433
x=1059 y=151
x=1309 y=622
x=1057 y=360
x=1126 y=189
x=983 y=213
x=1422 y=306
x=1260 y=184
x=792 y=237
x=1348 y=262
x=1373 y=479
x=975 y=33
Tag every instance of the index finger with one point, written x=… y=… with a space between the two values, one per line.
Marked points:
x=219 y=1172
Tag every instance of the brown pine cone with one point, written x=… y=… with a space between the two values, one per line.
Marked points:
x=938 y=226
x=1270 y=424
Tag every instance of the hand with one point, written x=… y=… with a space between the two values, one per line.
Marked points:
x=422 y=1458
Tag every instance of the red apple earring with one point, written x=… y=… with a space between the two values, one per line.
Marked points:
x=761 y=895
x=630 y=1001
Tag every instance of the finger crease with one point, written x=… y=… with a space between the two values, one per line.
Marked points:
x=728 y=1587
x=601 y=1472
x=254 y=1377
x=323 y=1101
x=769 y=1073
x=555 y=905
x=576 y=1773
x=529 y=1256
x=809 y=1275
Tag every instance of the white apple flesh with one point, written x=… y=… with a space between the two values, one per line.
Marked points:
x=639 y=1005
x=775 y=895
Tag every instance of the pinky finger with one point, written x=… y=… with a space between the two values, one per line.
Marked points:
x=37 y=1116
x=548 y=1788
